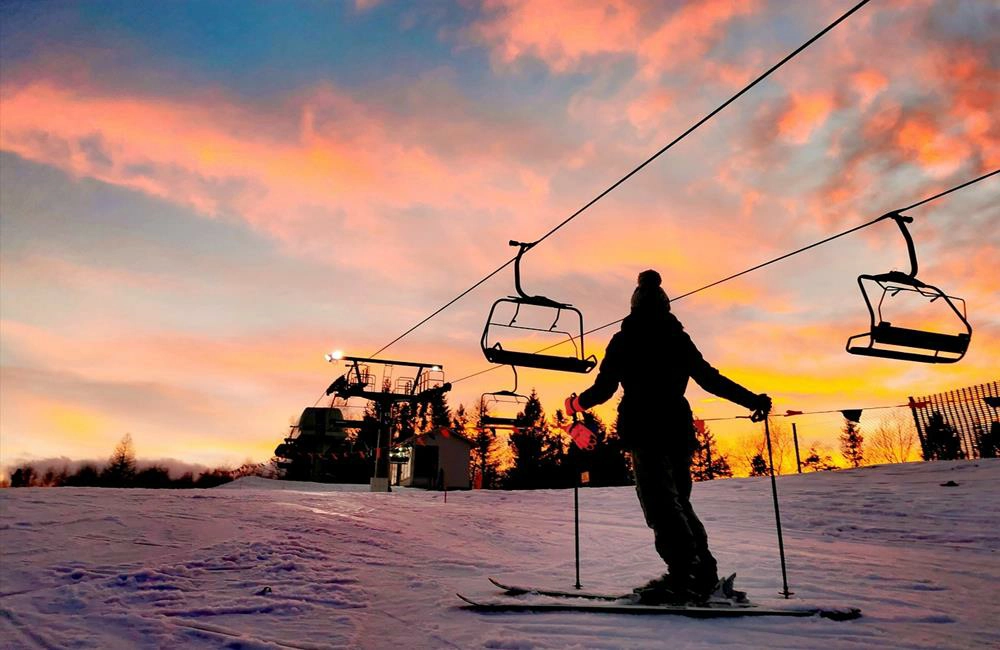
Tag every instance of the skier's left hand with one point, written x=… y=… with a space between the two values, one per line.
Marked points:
x=573 y=405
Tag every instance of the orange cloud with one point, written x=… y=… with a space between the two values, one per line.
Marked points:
x=868 y=84
x=805 y=113
x=939 y=153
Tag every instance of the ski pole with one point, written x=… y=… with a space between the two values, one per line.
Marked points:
x=576 y=529
x=777 y=513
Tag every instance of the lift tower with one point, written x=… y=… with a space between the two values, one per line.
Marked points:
x=394 y=384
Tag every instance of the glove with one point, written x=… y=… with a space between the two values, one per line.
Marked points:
x=762 y=404
x=573 y=405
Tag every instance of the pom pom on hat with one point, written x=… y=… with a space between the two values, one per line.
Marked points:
x=649 y=278
x=648 y=296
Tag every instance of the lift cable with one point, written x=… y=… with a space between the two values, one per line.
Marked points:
x=633 y=172
x=776 y=259
x=792 y=414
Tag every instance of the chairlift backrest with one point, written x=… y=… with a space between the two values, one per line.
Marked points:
x=494 y=350
x=890 y=341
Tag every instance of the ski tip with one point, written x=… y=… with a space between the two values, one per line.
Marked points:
x=844 y=614
x=471 y=602
x=515 y=591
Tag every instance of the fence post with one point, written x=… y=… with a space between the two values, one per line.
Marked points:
x=795 y=439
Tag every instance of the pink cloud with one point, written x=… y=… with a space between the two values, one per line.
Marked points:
x=309 y=192
x=562 y=34
x=689 y=33
x=567 y=35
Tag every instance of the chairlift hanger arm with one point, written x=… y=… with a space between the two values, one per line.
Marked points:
x=901 y=221
x=523 y=247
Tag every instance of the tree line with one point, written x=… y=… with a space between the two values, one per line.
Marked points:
x=122 y=471
x=538 y=455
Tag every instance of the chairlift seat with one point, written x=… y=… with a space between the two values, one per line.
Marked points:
x=887 y=334
x=500 y=356
x=932 y=344
x=494 y=421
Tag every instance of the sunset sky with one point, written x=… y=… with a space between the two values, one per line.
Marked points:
x=200 y=199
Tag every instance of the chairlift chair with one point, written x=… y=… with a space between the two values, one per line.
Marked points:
x=496 y=353
x=510 y=401
x=890 y=341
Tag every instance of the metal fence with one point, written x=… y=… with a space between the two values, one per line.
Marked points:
x=971 y=412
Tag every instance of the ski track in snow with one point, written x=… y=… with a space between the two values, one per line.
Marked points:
x=264 y=564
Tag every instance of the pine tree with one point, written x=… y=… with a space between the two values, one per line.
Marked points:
x=460 y=419
x=606 y=464
x=708 y=462
x=484 y=453
x=758 y=466
x=989 y=442
x=120 y=471
x=537 y=453
x=941 y=440
x=24 y=476
x=86 y=476
x=817 y=462
x=434 y=414
x=852 y=443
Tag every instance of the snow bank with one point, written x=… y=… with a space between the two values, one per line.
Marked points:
x=264 y=564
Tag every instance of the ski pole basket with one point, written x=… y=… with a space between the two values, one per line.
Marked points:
x=920 y=344
x=496 y=324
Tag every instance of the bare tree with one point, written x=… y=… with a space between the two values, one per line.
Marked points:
x=893 y=441
x=753 y=450
x=781 y=445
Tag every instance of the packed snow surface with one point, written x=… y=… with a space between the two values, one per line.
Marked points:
x=266 y=564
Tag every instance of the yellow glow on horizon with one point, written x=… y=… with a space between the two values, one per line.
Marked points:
x=74 y=421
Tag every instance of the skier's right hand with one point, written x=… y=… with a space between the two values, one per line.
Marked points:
x=762 y=404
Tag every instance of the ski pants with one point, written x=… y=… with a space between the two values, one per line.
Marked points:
x=663 y=484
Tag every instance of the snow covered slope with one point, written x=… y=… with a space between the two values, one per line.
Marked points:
x=262 y=564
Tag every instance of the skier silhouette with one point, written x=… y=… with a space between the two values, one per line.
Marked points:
x=652 y=358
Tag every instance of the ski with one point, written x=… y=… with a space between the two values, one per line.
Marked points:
x=693 y=611
x=623 y=598
x=515 y=590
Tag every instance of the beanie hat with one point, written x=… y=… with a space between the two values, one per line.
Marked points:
x=648 y=295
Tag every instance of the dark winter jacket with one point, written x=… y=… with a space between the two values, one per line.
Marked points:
x=652 y=358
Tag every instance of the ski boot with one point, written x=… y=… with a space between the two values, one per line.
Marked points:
x=660 y=591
